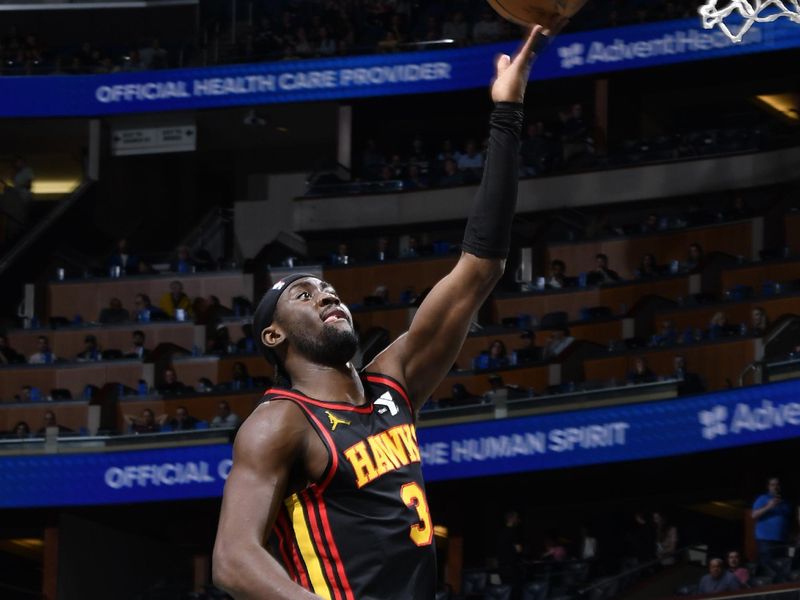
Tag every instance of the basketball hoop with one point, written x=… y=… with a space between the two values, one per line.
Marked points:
x=751 y=11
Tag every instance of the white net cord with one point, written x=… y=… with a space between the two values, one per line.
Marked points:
x=751 y=13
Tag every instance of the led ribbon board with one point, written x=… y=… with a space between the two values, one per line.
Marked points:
x=605 y=435
x=598 y=51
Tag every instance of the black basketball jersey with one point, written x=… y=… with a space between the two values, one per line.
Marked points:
x=364 y=531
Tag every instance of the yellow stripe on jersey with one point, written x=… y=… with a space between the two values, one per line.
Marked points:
x=307 y=549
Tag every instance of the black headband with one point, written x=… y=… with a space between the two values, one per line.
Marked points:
x=265 y=312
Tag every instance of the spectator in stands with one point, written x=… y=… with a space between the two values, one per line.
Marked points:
x=641 y=538
x=114 y=313
x=147 y=423
x=759 y=321
x=719 y=327
x=650 y=223
x=412 y=248
x=26 y=394
x=216 y=310
x=456 y=28
x=22 y=430
x=219 y=342
x=170 y=386
x=241 y=377
x=554 y=550
x=530 y=352
x=559 y=340
x=601 y=273
x=153 y=56
x=536 y=150
x=574 y=133
x=695 y=259
x=182 y=262
x=641 y=372
x=414 y=179
x=22 y=180
x=688 y=383
x=175 y=299
x=44 y=355
x=246 y=344
x=91 y=351
x=736 y=569
x=588 y=544
x=509 y=550
x=718 y=579
x=471 y=162
x=371 y=160
x=9 y=356
x=182 y=421
x=648 y=268
x=498 y=357
x=224 y=417
x=50 y=421
x=667 y=335
x=558 y=275
x=382 y=250
x=488 y=29
x=452 y=176
x=666 y=539
x=145 y=311
x=772 y=516
x=138 y=350
x=342 y=256
x=129 y=263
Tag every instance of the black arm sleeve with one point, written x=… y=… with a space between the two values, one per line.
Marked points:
x=488 y=233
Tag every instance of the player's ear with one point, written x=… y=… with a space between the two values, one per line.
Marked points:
x=272 y=336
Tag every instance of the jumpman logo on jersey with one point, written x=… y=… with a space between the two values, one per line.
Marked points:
x=335 y=421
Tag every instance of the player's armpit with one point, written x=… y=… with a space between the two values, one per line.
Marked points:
x=269 y=443
x=422 y=357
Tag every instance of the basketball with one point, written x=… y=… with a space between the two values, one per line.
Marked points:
x=550 y=14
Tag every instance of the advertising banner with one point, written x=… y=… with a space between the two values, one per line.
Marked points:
x=571 y=54
x=658 y=429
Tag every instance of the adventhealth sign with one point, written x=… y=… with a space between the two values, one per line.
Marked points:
x=636 y=431
x=379 y=75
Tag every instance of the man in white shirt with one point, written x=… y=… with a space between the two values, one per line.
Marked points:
x=225 y=418
x=45 y=355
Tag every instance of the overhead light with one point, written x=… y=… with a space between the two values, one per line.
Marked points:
x=786 y=104
x=54 y=186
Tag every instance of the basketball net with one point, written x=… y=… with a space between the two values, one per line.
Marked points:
x=753 y=11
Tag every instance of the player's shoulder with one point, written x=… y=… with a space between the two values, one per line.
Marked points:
x=274 y=423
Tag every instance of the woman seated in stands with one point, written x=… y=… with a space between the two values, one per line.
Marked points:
x=498 y=357
x=719 y=327
x=648 y=268
x=146 y=423
x=641 y=372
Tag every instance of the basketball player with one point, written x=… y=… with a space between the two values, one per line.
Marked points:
x=326 y=498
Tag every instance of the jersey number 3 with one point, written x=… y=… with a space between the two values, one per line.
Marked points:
x=413 y=497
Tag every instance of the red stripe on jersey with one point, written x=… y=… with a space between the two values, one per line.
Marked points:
x=285 y=557
x=326 y=560
x=337 y=559
x=392 y=384
x=283 y=521
x=336 y=405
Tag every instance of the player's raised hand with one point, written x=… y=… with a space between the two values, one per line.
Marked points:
x=511 y=75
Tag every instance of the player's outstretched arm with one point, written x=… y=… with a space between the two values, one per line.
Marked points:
x=422 y=357
x=266 y=447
